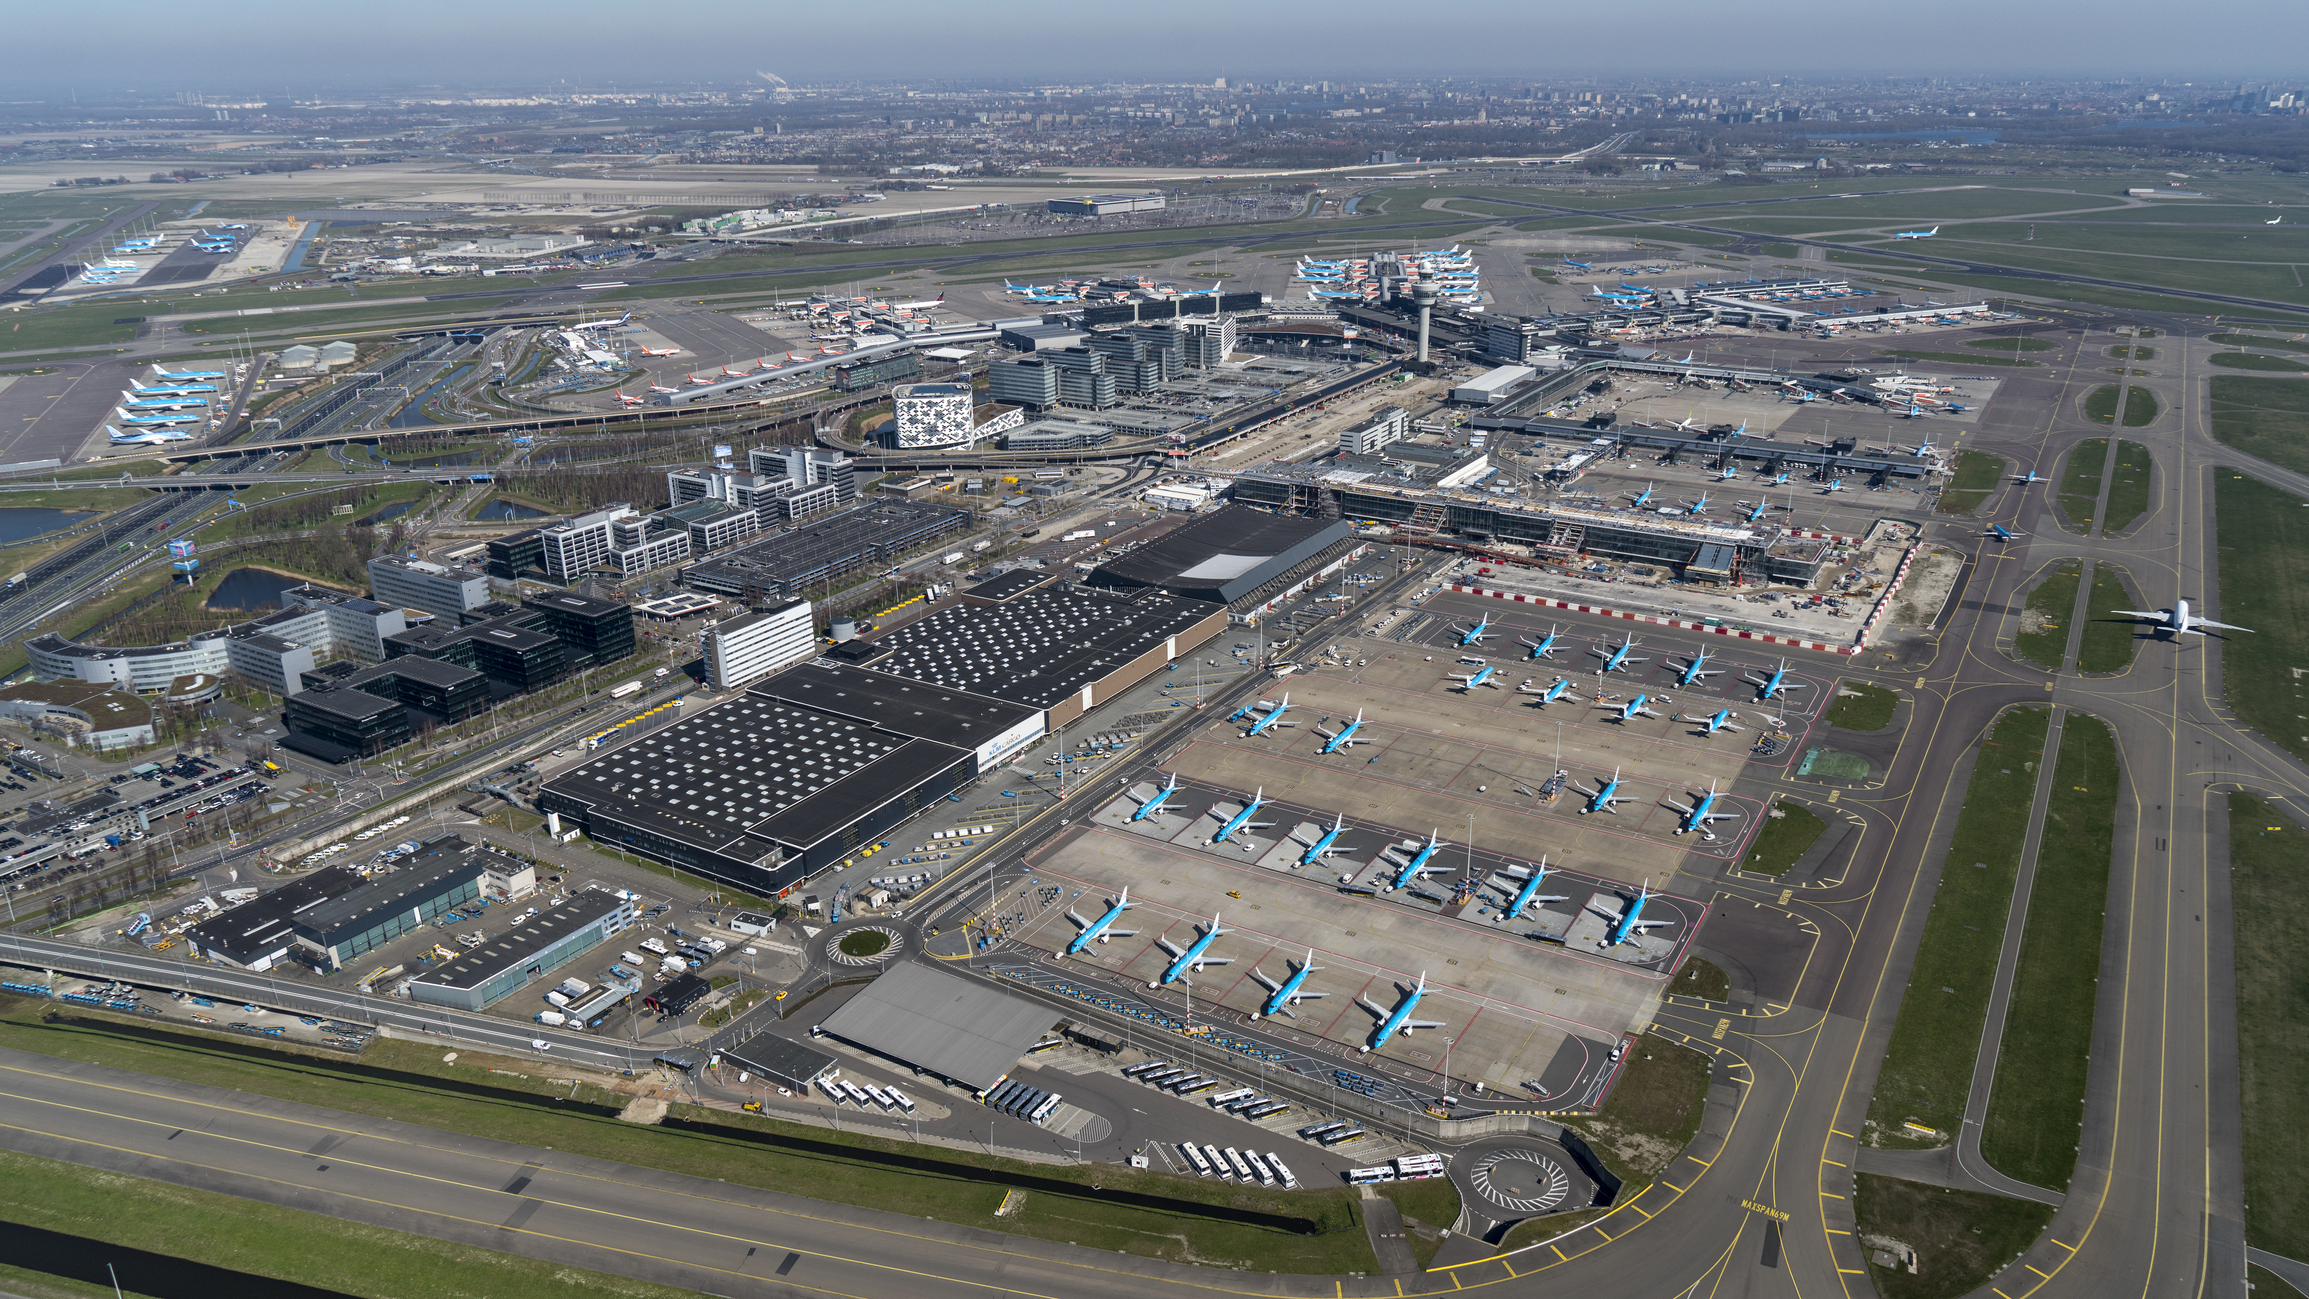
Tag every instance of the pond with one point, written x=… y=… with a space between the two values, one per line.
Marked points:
x=251 y=589
x=393 y=511
x=504 y=509
x=18 y=522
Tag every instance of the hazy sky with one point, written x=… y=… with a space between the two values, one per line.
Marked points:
x=304 y=48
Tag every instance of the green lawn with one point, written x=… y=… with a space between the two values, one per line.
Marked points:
x=2266 y=1284
x=1786 y=837
x=1944 y=206
x=2109 y=641
x=2043 y=638
x=2019 y=344
x=1928 y=1067
x=2264 y=535
x=2258 y=340
x=2141 y=406
x=1703 y=979
x=2199 y=261
x=2080 y=483
x=69 y=326
x=1977 y=474
x=1860 y=706
x=1653 y=1111
x=2038 y=1099
x=750 y=1150
x=264 y=1240
x=2060 y=291
x=1961 y=1238
x=2269 y=896
x=2129 y=488
x=2268 y=418
x=2256 y=361
x=1429 y=1208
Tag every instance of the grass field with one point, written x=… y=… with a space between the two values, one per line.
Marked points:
x=1429 y=1208
x=80 y=326
x=2109 y=641
x=2269 y=893
x=2200 y=261
x=2122 y=299
x=263 y=1240
x=2043 y=638
x=1928 y=1068
x=581 y=1118
x=2141 y=408
x=2038 y=1098
x=2259 y=340
x=2129 y=488
x=2268 y=1285
x=1977 y=474
x=2268 y=418
x=1703 y=979
x=1653 y=1112
x=2256 y=361
x=1945 y=205
x=2264 y=536
x=2080 y=483
x=1859 y=706
x=1960 y=358
x=1786 y=837
x=1961 y=1238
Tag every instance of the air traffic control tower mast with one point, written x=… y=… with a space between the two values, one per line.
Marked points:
x=1423 y=296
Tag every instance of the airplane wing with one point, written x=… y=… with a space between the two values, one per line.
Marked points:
x=1257 y=825
x=1367 y=1004
x=1168 y=946
x=1421 y=1023
x=1078 y=920
x=1122 y=933
x=1599 y=910
x=1653 y=924
x=2207 y=622
x=2157 y=614
x=1308 y=996
x=1218 y=960
x=1269 y=984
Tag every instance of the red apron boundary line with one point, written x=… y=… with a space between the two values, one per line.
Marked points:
x=1678 y=623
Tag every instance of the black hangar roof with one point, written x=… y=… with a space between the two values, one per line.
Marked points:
x=909 y=707
x=752 y=775
x=1038 y=648
x=1222 y=556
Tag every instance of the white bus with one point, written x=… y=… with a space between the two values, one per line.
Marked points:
x=1413 y=1168
x=629 y=688
x=1195 y=1157
x=1229 y=1098
x=1218 y=1161
x=1242 y=1166
x=1366 y=1176
x=1275 y=1162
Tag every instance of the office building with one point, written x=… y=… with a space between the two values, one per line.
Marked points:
x=860 y=375
x=527 y=952
x=742 y=650
x=440 y=692
x=273 y=649
x=1097 y=205
x=592 y=632
x=1027 y=382
x=516 y=555
x=574 y=548
x=712 y=524
x=933 y=415
x=1208 y=342
x=1389 y=425
x=335 y=916
x=413 y=583
x=1082 y=378
x=1056 y=435
x=349 y=723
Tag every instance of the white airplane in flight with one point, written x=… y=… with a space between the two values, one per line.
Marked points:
x=1916 y=234
x=2178 y=620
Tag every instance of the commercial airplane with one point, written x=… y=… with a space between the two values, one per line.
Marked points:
x=1100 y=929
x=2178 y=620
x=1721 y=720
x=2031 y=476
x=659 y=387
x=1191 y=956
x=728 y=373
x=1474 y=635
x=1771 y=689
x=165 y=389
x=1242 y=820
x=1417 y=865
x=1577 y=265
x=1345 y=738
x=2001 y=533
x=1780 y=481
x=1803 y=396
x=1630 y=923
x=694 y=379
x=1399 y=1021
x=1541 y=649
x=1597 y=292
x=1468 y=681
x=1323 y=847
x=1643 y=497
x=1633 y=709
x=660 y=351
x=1699 y=506
x=938 y=301
x=1697 y=670
x=173 y=418
x=1727 y=473
x=130 y=401
x=603 y=323
x=1273 y=717
x=1555 y=691
x=1758 y=509
x=1615 y=657
x=1916 y=234
x=1532 y=878
x=1701 y=812
x=1834 y=486
x=1155 y=801
x=1606 y=793
x=1282 y=996
x=2274 y=220
x=630 y=401
x=144 y=437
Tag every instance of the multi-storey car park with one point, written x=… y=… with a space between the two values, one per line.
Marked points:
x=787 y=564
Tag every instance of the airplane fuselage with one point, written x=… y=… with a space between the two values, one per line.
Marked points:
x=1096 y=931
x=1237 y=822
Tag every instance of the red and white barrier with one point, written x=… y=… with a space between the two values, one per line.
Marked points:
x=1884 y=604
x=1677 y=623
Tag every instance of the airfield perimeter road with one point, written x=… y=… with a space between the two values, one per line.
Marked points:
x=2154 y=1208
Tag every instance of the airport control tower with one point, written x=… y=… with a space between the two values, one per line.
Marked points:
x=1423 y=296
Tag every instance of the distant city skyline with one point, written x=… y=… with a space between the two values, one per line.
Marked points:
x=275 y=48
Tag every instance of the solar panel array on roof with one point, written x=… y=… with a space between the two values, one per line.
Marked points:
x=733 y=766
x=1037 y=648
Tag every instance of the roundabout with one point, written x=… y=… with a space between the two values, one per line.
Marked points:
x=864 y=945
x=1517 y=1181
